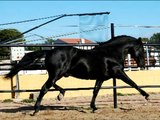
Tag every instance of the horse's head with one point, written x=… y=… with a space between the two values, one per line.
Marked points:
x=137 y=52
x=127 y=44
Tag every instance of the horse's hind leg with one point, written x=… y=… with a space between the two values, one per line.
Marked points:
x=62 y=91
x=95 y=93
x=43 y=91
x=126 y=79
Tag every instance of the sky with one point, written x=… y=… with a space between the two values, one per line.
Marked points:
x=122 y=13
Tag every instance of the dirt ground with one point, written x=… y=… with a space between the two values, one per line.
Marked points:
x=130 y=107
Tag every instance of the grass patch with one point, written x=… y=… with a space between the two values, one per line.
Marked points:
x=120 y=94
x=128 y=94
x=7 y=101
x=131 y=94
x=28 y=101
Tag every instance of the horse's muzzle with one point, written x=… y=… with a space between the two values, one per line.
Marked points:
x=142 y=68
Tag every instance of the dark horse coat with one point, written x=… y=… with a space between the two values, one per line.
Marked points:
x=101 y=63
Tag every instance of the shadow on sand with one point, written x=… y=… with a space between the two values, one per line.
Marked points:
x=42 y=108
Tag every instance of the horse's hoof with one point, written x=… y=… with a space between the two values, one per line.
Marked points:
x=147 y=97
x=33 y=114
x=94 y=109
x=60 y=96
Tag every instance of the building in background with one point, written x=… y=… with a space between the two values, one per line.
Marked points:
x=77 y=42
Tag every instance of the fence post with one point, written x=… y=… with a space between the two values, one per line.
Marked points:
x=17 y=84
x=147 y=54
x=12 y=94
x=114 y=79
x=129 y=62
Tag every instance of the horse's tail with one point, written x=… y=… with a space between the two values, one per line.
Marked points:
x=27 y=60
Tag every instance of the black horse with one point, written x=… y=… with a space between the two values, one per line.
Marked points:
x=101 y=63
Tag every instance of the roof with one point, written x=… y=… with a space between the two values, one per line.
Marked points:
x=72 y=40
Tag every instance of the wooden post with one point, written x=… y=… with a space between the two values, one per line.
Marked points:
x=12 y=94
x=17 y=85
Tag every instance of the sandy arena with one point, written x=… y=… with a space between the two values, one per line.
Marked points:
x=130 y=107
x=75 y=105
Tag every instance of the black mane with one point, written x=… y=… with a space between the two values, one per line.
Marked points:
x=122 y=38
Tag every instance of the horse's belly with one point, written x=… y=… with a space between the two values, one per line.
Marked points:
x=88 y=69
x=88 y=74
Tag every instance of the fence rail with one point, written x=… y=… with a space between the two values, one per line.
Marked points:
x=88 y=88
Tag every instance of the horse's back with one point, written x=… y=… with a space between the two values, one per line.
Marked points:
x=59 y=59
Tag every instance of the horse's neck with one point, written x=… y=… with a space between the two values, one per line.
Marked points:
x=125 y=51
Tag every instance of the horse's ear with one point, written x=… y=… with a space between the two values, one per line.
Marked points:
x=140 y=40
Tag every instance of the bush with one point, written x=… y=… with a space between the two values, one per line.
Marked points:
x=28 y=101
x=120 y=94
x=7 y=101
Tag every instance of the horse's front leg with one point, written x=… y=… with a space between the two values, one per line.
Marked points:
x=62 y=91
x=43 y=91
x=97 y=87
x=121 y=75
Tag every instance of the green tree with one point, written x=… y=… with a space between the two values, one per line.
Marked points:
x=7 y=35
x=145 y=40
x=33 y=48
x=47 y=41
x=155 y=38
